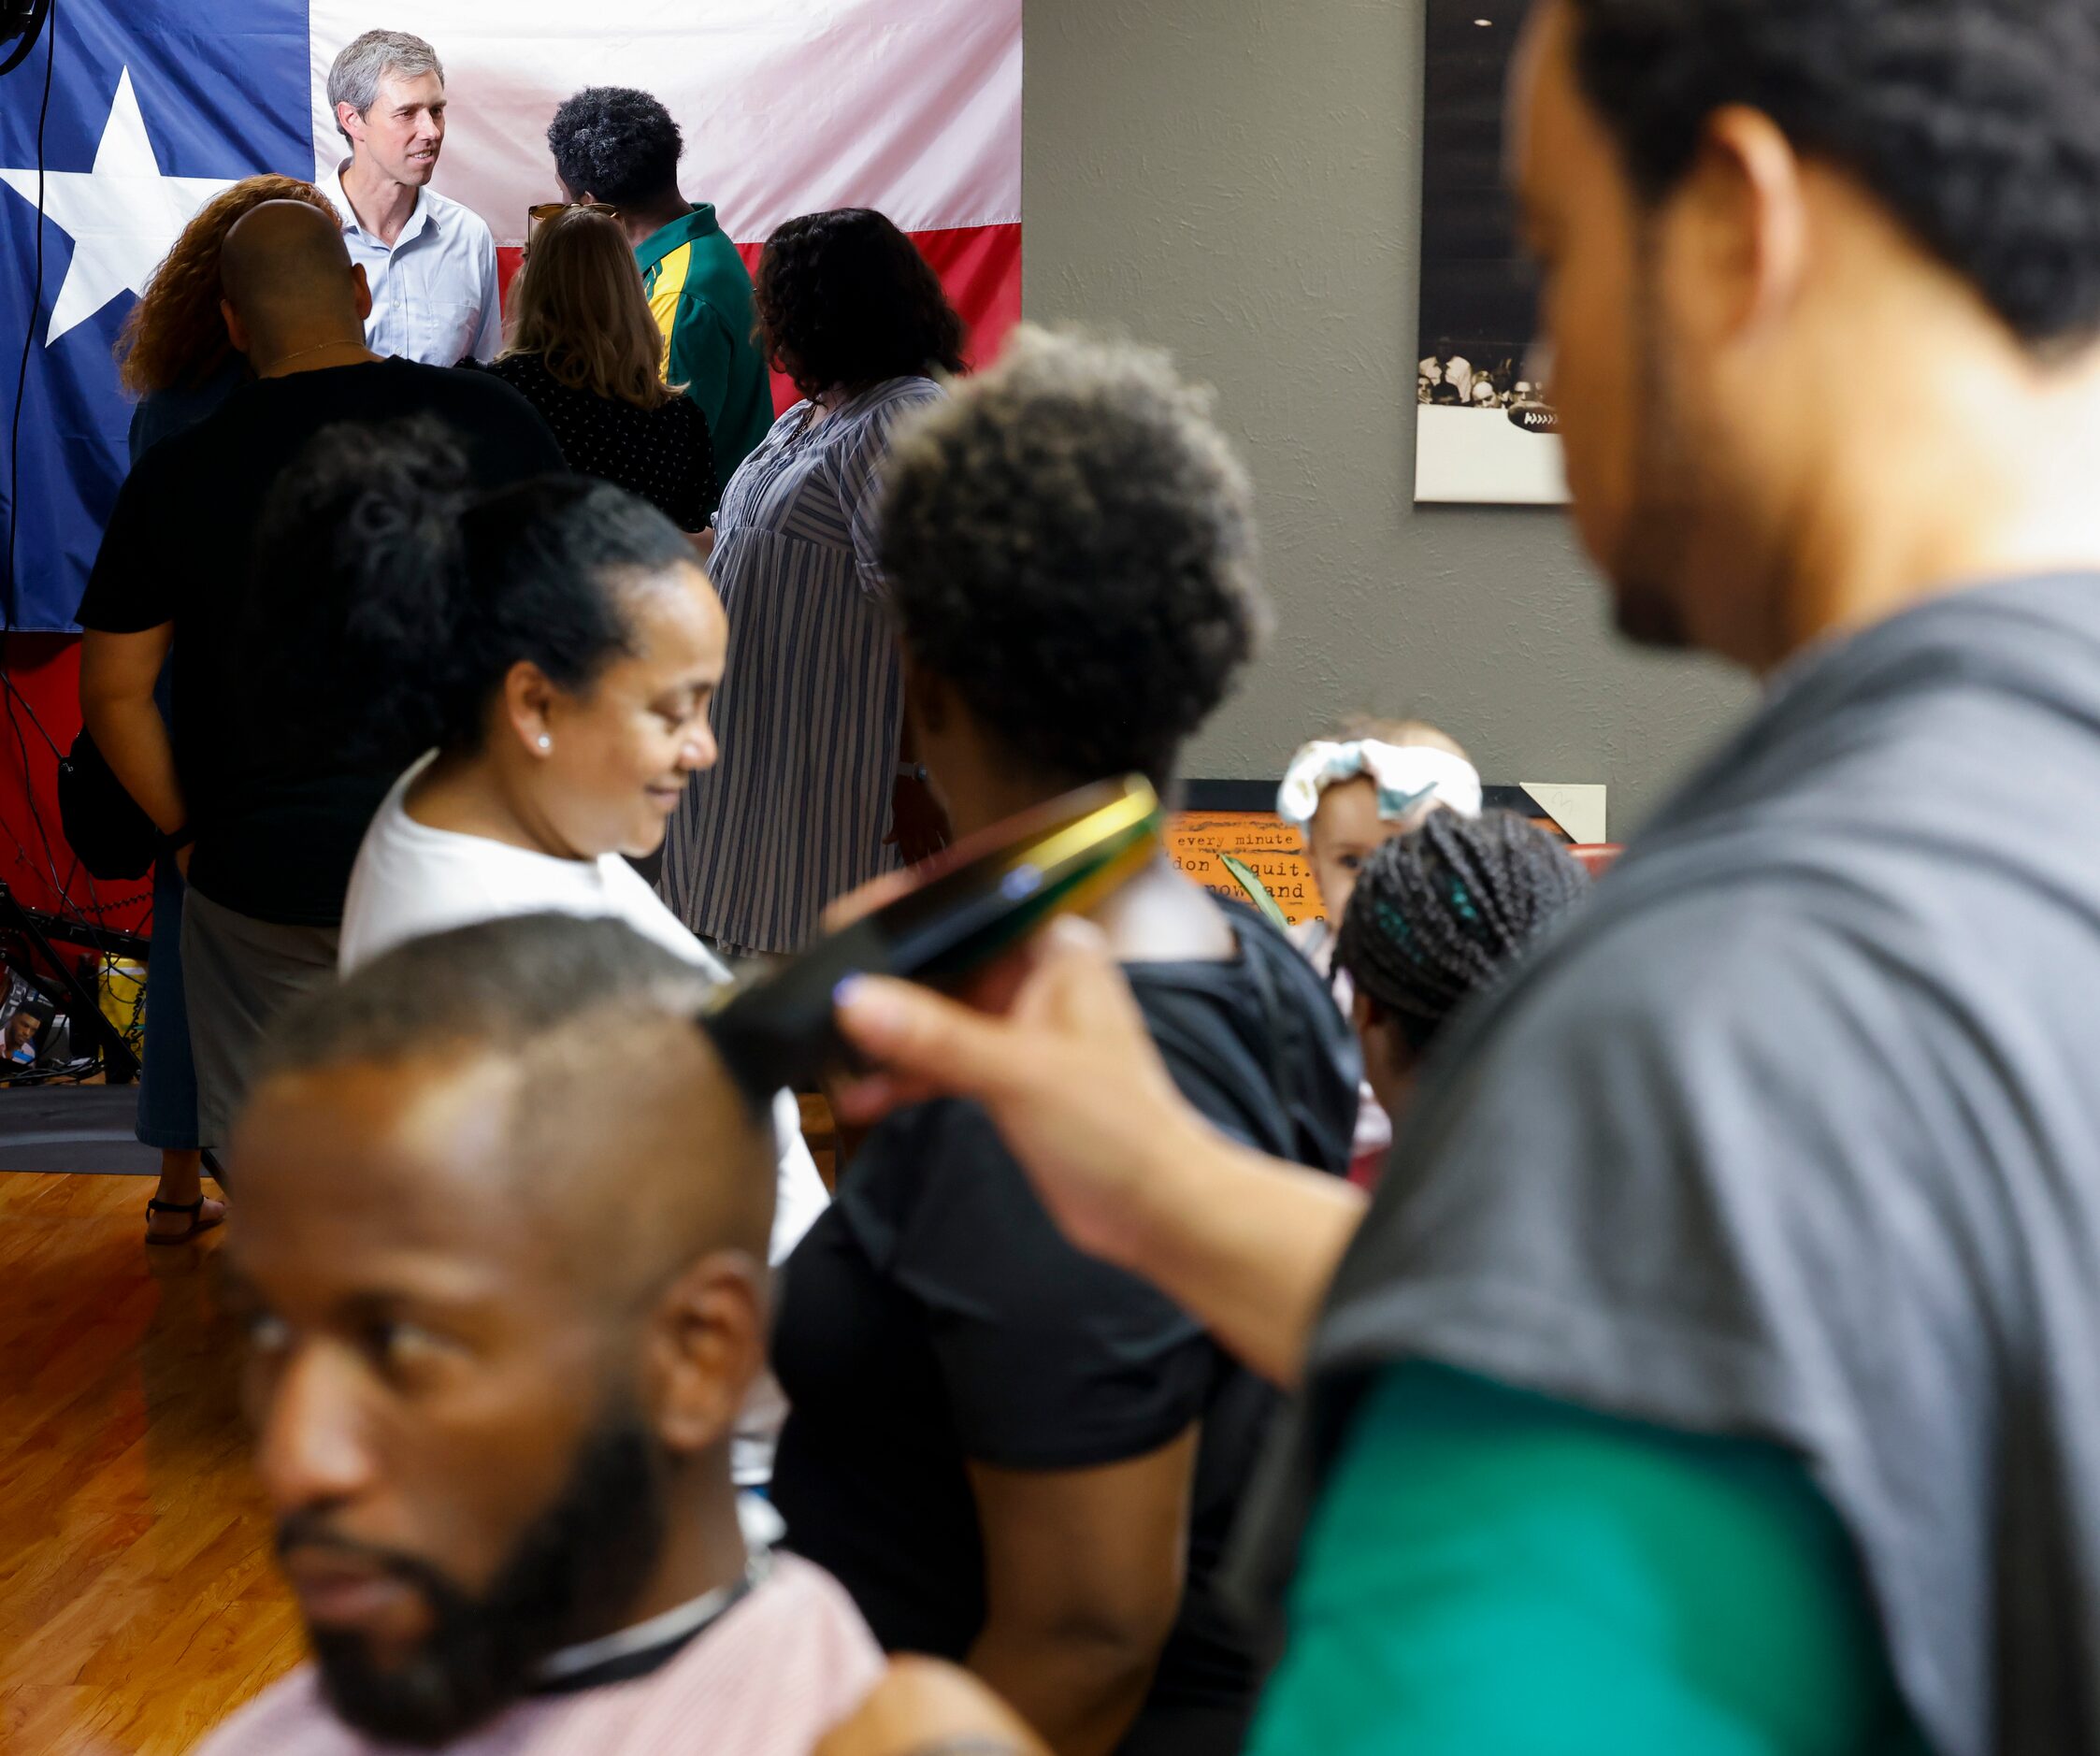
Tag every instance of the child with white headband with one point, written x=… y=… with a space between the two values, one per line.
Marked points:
x=1349 y=793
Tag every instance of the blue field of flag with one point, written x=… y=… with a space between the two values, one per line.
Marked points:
x=155 y=105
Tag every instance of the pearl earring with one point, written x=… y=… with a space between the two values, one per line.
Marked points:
x=546 y=743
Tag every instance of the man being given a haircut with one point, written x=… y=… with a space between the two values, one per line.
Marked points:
x=619 y=145
x=501 y=1257
x=255 y=780
x=431 y=260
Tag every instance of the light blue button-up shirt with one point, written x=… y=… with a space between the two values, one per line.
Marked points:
x=433 y=293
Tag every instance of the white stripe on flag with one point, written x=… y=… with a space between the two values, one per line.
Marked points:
x=787 y=106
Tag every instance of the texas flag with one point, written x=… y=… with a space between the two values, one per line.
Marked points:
x=913 y=106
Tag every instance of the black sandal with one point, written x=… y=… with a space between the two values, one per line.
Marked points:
x=198 y=1222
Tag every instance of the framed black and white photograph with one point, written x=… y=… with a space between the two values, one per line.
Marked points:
x=1485 y=432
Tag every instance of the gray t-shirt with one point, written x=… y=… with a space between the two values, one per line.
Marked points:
x=1795 y=1133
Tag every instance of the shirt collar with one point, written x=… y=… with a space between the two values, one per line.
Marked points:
x=421 y=218
x=699 y=222
x=637 y=1650
x=333 y=188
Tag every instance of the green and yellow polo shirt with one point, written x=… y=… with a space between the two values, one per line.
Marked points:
x=700 y=296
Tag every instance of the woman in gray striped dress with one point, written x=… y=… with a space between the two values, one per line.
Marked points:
x=814 y=793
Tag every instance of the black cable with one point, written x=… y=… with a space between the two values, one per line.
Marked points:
x=18 y=704
x=32 y=21
x=9 y=602
x=29 y=780
x=29 y=708
x=22 y=855
x=62 y=889
x=10 y=608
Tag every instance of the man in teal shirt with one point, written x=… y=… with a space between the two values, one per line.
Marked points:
x=619 y=146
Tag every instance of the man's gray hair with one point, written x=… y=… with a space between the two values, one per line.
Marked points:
x=354 y=79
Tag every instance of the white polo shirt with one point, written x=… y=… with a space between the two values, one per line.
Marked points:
x=435 y=296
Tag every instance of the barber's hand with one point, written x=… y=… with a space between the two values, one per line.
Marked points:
x=919 y=828
x=1070 y=1075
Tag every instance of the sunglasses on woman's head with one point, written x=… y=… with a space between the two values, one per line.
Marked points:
x=541 y=213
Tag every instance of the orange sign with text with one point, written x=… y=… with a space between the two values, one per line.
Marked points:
x=1272 y=849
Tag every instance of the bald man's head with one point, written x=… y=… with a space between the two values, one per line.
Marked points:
x=288 y=282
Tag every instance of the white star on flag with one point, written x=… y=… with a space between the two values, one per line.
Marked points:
x=121 y=216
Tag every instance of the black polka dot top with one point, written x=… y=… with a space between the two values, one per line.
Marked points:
x=664 y=455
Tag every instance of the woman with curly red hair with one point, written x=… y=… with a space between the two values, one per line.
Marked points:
x=174 y=355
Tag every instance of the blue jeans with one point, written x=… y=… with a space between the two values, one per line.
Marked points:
x=168 y=1083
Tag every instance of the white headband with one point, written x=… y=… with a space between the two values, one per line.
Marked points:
x=1407 y=775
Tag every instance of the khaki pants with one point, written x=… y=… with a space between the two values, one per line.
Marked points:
x=241 y=975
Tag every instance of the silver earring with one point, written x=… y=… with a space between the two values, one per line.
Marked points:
x=546 y=743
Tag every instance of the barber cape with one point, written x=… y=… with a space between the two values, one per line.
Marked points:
x=779 y=1669
x=1795 y=1134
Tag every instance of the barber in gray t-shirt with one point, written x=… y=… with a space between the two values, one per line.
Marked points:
x=1792 y=1141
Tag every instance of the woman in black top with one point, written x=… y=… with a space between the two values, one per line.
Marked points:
x=1011 y=1454
x=587 y=354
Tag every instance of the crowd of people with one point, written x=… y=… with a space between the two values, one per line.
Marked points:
x=1447 y=376
x=1695 y=1358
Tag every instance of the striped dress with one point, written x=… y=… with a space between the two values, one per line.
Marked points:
x=794 y=812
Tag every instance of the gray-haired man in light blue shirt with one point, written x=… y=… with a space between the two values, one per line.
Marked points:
x=430 y=261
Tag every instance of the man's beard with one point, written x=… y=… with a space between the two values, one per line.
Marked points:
x=573 y=1575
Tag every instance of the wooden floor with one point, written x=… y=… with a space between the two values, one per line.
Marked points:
x=138 y=1601
x=138 y=1604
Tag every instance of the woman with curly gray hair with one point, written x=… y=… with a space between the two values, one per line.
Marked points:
x=1070 y=550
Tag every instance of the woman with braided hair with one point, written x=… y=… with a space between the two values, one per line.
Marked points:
x=1436 y=915
x=1348 y=794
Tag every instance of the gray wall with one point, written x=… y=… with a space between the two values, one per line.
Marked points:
x=1239 y=180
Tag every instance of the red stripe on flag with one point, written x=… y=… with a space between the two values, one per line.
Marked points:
x=46 y=668
x=979 y=265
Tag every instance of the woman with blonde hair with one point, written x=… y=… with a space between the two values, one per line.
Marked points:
x=175 y=356
x=583 y=350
